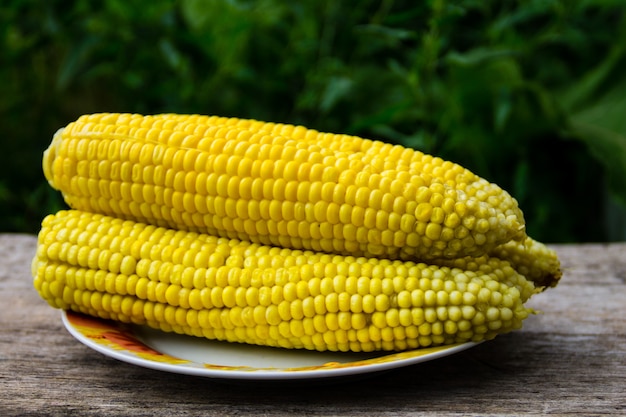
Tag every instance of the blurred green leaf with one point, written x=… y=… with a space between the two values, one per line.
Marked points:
x=602 y=127
x=74 y=62
x=477 y=56
x=596 y=81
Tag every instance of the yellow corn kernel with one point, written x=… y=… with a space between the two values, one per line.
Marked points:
x=250 y=181
x=203 y=285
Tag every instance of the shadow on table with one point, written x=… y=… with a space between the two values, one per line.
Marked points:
x=509 y=367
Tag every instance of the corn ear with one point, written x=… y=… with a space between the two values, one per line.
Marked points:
x=288 y=187
x=232 y=290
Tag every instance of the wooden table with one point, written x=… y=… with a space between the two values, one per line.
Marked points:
x=570 y=360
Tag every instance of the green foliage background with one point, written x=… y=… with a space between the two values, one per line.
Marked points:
x=528 y=94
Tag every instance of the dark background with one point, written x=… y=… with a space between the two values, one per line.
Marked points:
x=528 y=94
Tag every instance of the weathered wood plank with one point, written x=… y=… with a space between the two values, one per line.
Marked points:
x=569 y=360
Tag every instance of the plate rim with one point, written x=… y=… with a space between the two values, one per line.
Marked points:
x=365 y=366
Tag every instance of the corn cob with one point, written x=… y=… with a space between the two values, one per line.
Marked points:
x=380 y=155
x=225 y=289
x=377 y=157
x=532 y=259
x=336 y=194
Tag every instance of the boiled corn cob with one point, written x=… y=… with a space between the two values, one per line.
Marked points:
x=532 y=259
x=379 y=155
x=226 y=289
x=310 y=191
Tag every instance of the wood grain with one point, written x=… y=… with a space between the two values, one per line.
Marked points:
x=568 y=360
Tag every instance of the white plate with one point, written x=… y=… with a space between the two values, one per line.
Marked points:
x=189 y=355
